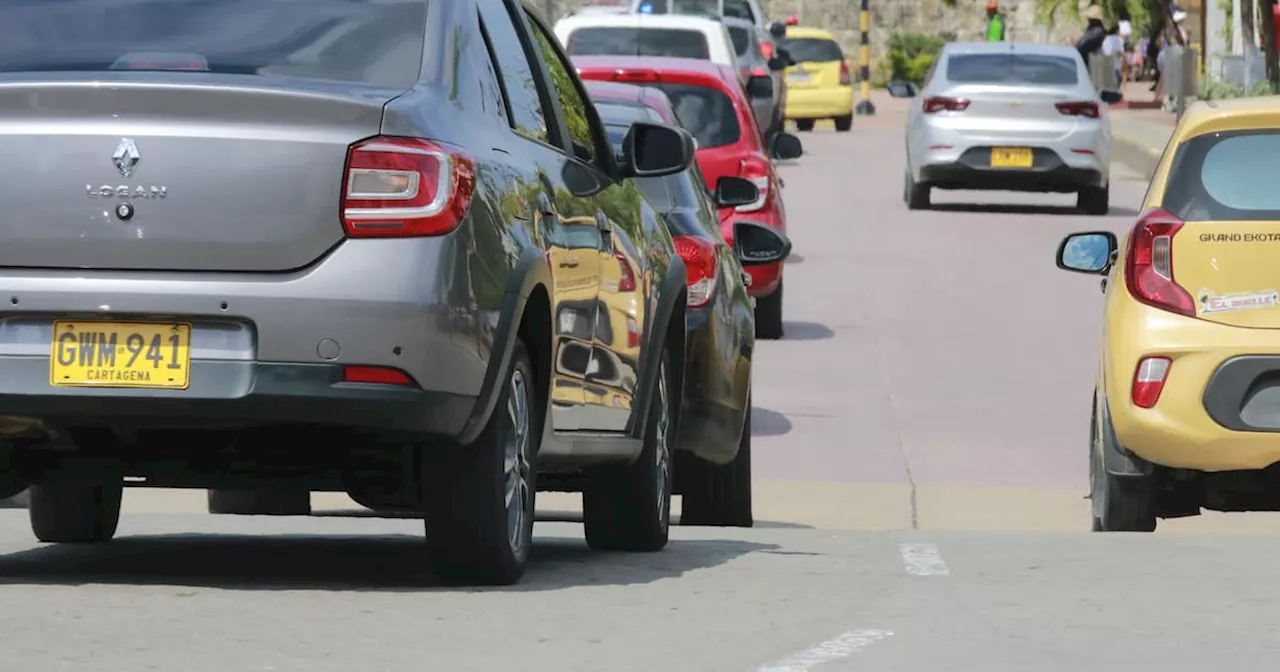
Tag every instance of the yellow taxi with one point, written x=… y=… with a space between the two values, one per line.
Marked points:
x=1186 y=413
x=818 y=84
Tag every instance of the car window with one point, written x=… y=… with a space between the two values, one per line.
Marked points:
x=611 y=41
x=369 y=43
x=527 y=115
x=738 y=9
x=1012 y=69
x=1225 y=177
x=705 y=112
x=741 y=39
x=572 y=103
x=811 y=50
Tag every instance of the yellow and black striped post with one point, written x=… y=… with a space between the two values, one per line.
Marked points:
x=865 y=106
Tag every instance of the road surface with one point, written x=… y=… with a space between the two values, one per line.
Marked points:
x=920 y=455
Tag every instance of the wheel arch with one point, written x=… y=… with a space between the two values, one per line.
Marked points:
x=667 y=330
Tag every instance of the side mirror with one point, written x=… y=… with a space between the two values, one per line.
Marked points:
x=1111 y=96
x=778 y=63
x=1091 y=252
x=757 y=244
x=656 y=150
x=902 y=89
x=785 y=56
x=732 y=192
x=778 y=29
x=760 y=87
x=786 y=146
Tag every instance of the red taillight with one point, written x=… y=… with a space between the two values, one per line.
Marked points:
x=939 y=103
x=766 y=49
x=633 y=333
x=401 y=187
x=628 y=281
x=1079 y=108
x=699 y=255
x=844 y=74
x=1148 y=265
x=1148 y=381
x=635 y=76
x=382 y=375
x=757 y=170
x=759 y=72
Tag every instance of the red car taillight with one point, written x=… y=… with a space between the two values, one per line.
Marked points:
x=403 y=187
x=628 y=281
x=766 y=49
x=1079 y=108
x=757 y=170
x=939 y=103
x=1148 y=264
x=844 y=73
x=699 y=255
x=1148 y=381
x=380 y=375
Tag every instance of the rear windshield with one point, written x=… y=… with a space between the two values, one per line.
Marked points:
x=364 y=42
x=1011 y=69
x=811 y=50
x=1226 y=177
x=706 y=113
x=741 y=39
x=639 y=42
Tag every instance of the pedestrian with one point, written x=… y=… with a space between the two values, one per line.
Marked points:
x=995 y=22
x=1090 y=45
x=1113 y=54
x=1124 y=27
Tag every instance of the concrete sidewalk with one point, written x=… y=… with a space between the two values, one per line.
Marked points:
x=1138 y=138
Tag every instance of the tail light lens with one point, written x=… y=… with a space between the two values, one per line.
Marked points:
x=766 y=49
x=699 y=255
x=844 y=73
x=757 y=170
x=621 y=75
x=759 y=72
x=940 y=103
x=1148 y=381
x=633 y=333
x=380 y=375
x=628 y=281
x=405 y=187
x=1148 y=264
x=1079 y=108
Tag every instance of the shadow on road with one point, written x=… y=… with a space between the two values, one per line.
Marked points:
x=794 y=259
x=806 y=331
x=1025 y=209
x=361 y=563
x=765 y=422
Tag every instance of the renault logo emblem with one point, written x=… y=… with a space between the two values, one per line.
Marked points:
x=126 y=157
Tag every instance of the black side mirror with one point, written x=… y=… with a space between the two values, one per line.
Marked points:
x=732 y=192
x=760 y=87
x=778 y=29
x=902 y=89
x=778 y=63
x=786 y=146
x=785 y=56
x=1090 y=252
x=656 y=150
x=1111 y=96
x=758 y=244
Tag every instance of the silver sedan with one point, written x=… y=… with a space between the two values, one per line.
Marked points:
x=1010 y=117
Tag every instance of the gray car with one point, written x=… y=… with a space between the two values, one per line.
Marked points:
x=269 y=247
x=768 y=101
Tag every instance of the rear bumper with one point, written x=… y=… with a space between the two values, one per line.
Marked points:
x=268 y=348
x=971 y=169
x=819 y=103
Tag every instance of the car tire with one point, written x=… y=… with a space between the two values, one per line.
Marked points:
x=1094 y=200
x=1119 y=503
x=77 y=502
x=480 y=498
x=845 y=123
x=914 y=193
x=628 y=507
x=263 y=501
x=769 y=315
x=804 y=125
x=720 y=495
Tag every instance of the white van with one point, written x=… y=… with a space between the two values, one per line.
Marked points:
x=647 y=35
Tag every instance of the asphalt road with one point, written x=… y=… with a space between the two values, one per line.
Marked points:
x=920 y=455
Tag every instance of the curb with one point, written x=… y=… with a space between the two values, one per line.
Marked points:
x=1135 y=153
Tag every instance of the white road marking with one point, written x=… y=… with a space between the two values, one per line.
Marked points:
x=923 y=559
x=833 y=649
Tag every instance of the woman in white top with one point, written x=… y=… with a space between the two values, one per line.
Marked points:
x=1125 y=30
x=1113 y=49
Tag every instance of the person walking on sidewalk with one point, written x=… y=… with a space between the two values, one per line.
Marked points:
x=1090 y=46
x=995 y=22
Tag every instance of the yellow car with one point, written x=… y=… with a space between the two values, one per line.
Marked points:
x=818 y=85
x=1187 y=405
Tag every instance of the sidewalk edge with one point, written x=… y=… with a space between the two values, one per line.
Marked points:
x=1138 y=155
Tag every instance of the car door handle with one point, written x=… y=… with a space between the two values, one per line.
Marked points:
x=571 y=262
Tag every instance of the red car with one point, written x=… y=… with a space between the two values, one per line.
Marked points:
x=710 y=103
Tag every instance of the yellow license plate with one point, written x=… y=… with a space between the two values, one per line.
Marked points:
x=1012 y=157
x=120 y=354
